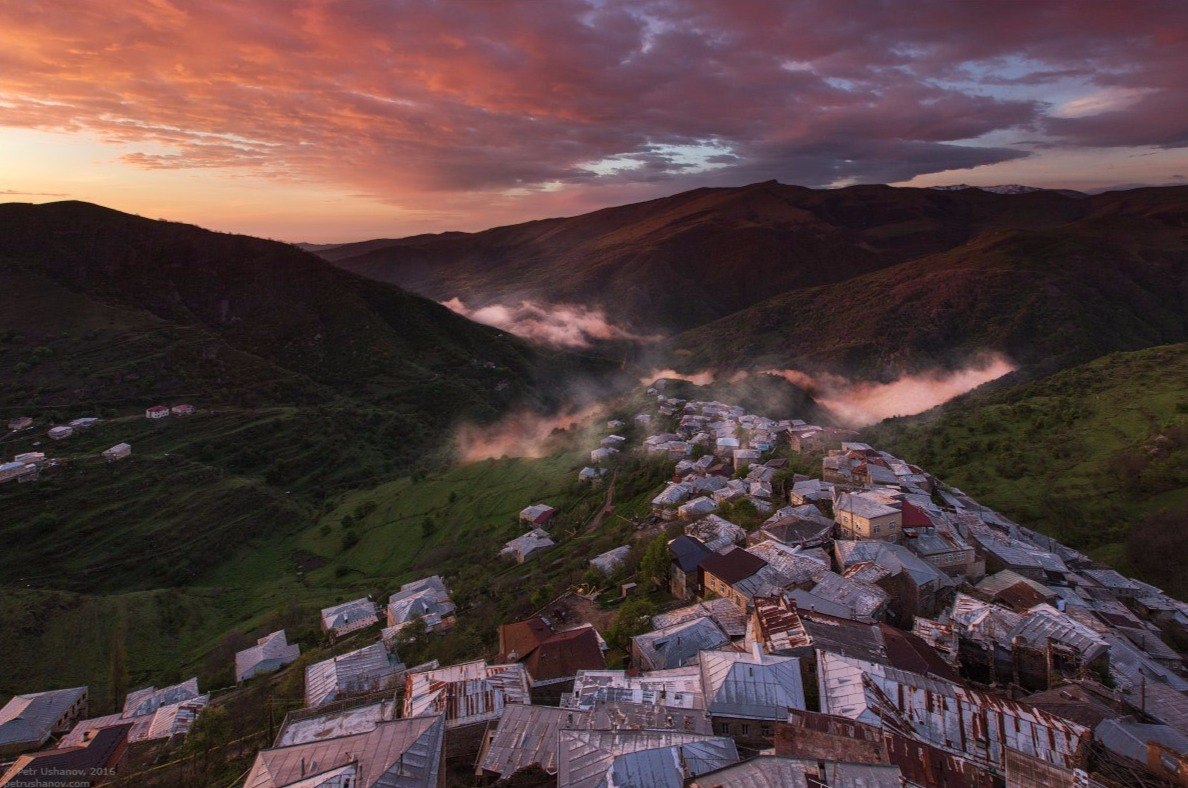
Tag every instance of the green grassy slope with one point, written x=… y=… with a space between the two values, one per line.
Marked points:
x=1091 y=455
x=311 y=384
x=86 y=563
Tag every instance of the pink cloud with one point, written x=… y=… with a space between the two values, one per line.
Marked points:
x=857 y=403
x=556 y=325
x=499 y=109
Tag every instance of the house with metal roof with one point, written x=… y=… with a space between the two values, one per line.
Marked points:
x=846 y=597
x=746 y=693
x=979 y=726
x=677 y=645
x=798 y=567
x=99 y=754
x=1015 y=591
x=1160 y=748
x=865 y=515
x=427 y=599
x=697 y=508
x=305 y=725
x=524 y=547
x=469 y=693
x=739 y=576
x=537 y=514
x=589 y=474
x=117 y=452
x=684 y=576
x=405 y=752
x=673 y=688
x=672 y=496
x=270 y=653
x=369 y=669
x=799 y=526
x=551 y=657
x=663 y=759
x=915 y=586
x=773 y=771
x=1001 y=551
x=611 y=560
x=1108 y=584
x=526 y=736
x=28 y=721
x=727 y=615
x=716 y=533
x=602 y=454
x=349 y=617
x=153 y=713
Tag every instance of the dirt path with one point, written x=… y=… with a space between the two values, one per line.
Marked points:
x=596 y=520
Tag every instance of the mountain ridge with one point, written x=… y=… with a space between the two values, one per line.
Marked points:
x=677 y=262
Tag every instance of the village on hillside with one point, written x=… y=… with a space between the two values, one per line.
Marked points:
x=866 y=625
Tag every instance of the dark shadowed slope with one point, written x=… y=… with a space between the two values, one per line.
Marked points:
x=1117 y=279
x=151 y=307
x=678 y=262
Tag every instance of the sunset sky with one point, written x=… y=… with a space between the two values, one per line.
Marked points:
x=313 y=120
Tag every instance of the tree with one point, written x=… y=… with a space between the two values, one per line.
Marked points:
x=634 y=618
x=428 y=527
x=655 y=564
x=410 y=640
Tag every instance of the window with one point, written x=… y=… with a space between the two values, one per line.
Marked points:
x=744 y=729
x=876 y=529
x=765 y=729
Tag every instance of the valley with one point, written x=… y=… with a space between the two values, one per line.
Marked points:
x=350 y=437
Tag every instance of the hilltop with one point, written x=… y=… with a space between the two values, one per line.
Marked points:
x=1048 y=299
x=858 y=280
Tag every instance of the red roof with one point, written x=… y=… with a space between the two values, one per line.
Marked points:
x=914 y=516
x=518 y=639
x=910 y=652
x=564 y=654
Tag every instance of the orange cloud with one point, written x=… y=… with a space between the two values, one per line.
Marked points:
x=502 y=111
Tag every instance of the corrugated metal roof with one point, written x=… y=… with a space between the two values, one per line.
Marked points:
x=336 y=723
x=1130 y=739
x=528 y=735
x=366 y=669
x=677 y=687
x=149 y=699
x=953 y=718
x=467 y=693
x=397 y=754
x=772 y=771
x=349 y=614
x=778 y=627
x=270 y=652
x=29 y=719
x=751 y=685
x=716 y=533
x=611 y=560
x=676 y=646
x=427 y=598
x=587 y=757
x=728 y=616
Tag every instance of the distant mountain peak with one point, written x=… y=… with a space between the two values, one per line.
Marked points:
x=1006 y=188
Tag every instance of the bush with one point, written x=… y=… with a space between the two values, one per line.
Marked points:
x=349 y=540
